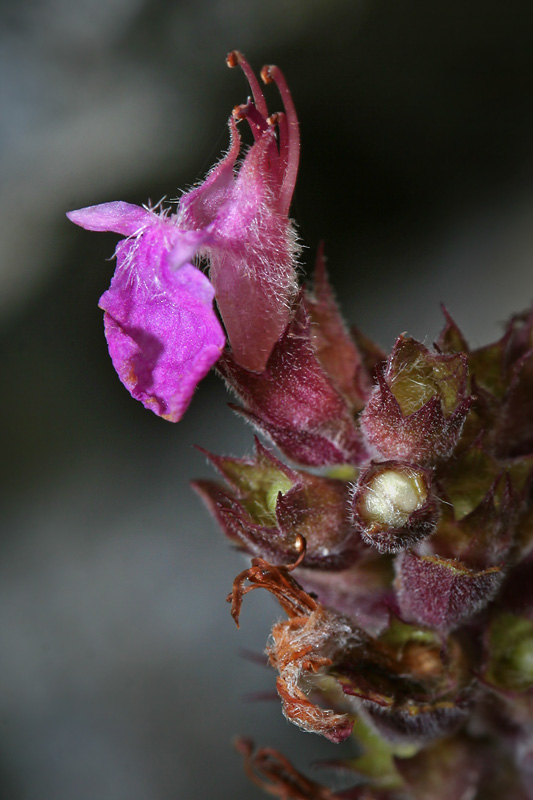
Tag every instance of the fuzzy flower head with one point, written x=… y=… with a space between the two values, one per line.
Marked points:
x=161 y=328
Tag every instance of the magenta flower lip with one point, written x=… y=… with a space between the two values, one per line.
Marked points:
x=161 y=329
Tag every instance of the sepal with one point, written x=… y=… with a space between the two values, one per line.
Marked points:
x=451 y=338
x=502 y=381
x=419 y=723
x=514 y=432
x=372 y=355
x=442 y=593
x=484 y=537
x=486 y=364
x=335 y=348
x=467 y=478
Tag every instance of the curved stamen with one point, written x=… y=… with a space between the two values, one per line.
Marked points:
x=235 y=58
x=280 y=120
x=249 y=112
x=269 y=74
x=259 y=125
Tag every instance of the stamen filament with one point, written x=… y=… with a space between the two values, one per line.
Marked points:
x=280 y=120
x=271 y=73
x=235 y=58
x=250 y=113
x=259 y=125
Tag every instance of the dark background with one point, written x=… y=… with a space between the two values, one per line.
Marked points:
x=121 y=675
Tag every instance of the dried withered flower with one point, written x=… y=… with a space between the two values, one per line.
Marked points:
x=301 y=648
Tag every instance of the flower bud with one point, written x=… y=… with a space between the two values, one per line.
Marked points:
x=392 y=505
x=418 y=410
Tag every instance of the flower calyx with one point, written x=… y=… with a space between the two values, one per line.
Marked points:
x=335 y=347
x=418 y=409
x=295 y=402
x=267 y=506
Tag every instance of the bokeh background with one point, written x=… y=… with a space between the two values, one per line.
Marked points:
x=122 y=676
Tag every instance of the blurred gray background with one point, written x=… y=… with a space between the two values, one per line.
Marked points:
x=121 y=673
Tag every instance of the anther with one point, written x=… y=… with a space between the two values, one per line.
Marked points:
x=266 y=74
x=291 y=134
x=232 y=59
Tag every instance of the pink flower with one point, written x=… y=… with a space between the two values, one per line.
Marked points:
x=162 y=331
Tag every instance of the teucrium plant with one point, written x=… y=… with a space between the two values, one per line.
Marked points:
x=394 y=524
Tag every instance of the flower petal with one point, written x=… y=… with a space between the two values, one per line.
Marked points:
x=118 y=217
x=253 y=264
x=162 y=332
x=200 y=207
